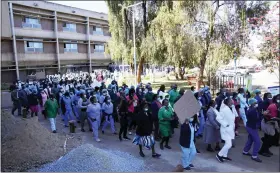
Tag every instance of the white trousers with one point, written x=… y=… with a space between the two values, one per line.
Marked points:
x=53 y=122
x=226 y=147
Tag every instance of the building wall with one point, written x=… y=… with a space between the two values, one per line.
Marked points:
x=47 y=58
x=5 y=24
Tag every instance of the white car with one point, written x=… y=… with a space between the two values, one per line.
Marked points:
x=229 y=71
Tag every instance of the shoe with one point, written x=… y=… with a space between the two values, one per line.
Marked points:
x=156 y=155
x=102 y=132
x=161 y=146
x=142 y=154
x=218 y=148
x=223 y=141
x=126 y=138
x=265 y=154
x=90 y=130
x=210 y=149
x=54 y=131
x=79 y=122
x=83 y=130
x=219 y=158
x=191 y=166
x=246 y=153
x=269 y=152
x=168 y=147
x=256 y=159
x=227 y=158
x=233 y=146
x=187 y=168
x=115 y=133
x=197 y=151
x=98 y=140
x=129 y=133
x=120 y=138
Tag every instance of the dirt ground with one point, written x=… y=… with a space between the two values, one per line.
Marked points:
x=27 y=144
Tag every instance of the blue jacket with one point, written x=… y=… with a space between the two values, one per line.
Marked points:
x=67 y=102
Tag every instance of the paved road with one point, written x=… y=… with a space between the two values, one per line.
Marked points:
x=204 y=162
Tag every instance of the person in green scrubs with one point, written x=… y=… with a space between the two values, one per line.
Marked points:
x=174 y=94
x=51 y=109
x=165 y=116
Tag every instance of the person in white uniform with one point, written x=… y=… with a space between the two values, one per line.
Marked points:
x=226 y=118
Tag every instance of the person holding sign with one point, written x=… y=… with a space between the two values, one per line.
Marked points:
x=187 y=144
x=165 y=116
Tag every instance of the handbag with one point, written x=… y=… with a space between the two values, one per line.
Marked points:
x=175 y=121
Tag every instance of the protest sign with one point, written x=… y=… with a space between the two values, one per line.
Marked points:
x=186 y=107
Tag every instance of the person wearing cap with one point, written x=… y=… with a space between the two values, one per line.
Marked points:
x=51 y=107
x=257 y=96
x=107 y=109
x=102 y=97
x=94 y=113
x=252 y=129
x=173 y=95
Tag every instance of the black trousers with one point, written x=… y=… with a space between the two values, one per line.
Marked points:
x=131 y=121
x=124 y=124
x=115 y=113
x=267 y=143
x=156 y=125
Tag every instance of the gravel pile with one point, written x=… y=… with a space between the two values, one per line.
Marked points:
x=88 y=158
x=25 y=143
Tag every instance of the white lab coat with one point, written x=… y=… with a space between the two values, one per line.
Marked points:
x=226 y=117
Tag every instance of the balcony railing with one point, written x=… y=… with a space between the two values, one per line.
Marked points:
x=97 y=33
x=31 y=25
x=69 y=29
x=70 y=50
x=32 y=49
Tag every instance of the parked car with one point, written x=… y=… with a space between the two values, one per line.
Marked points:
x=230 y=71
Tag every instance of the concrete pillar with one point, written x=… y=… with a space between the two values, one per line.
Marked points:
x=57 y=43
x=89 y=51
x=14 y=38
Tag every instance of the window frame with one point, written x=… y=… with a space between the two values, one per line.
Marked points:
x=96 y=32
x=70 y=27
x=34 y=48
x=28 y=24
x=97 y=46
x=71 y=48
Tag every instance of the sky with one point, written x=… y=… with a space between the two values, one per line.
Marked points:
x=98 y=6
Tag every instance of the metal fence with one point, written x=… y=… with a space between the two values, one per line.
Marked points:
x=232 y=83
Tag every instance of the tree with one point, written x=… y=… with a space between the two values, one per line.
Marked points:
x=269 y=30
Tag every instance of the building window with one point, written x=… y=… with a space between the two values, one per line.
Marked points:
x=31 y=23
x=98 y=48
x=97 y=30
x=34 y=46
x=69 y=27
x=70 y=47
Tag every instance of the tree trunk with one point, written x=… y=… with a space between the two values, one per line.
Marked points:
x=182 y=75
x=140 y=70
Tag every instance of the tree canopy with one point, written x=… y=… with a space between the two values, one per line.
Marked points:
x=181 y=33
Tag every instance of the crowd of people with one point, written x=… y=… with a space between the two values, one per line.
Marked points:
x=151 y=115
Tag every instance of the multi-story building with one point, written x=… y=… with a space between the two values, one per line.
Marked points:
x=51 y=38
